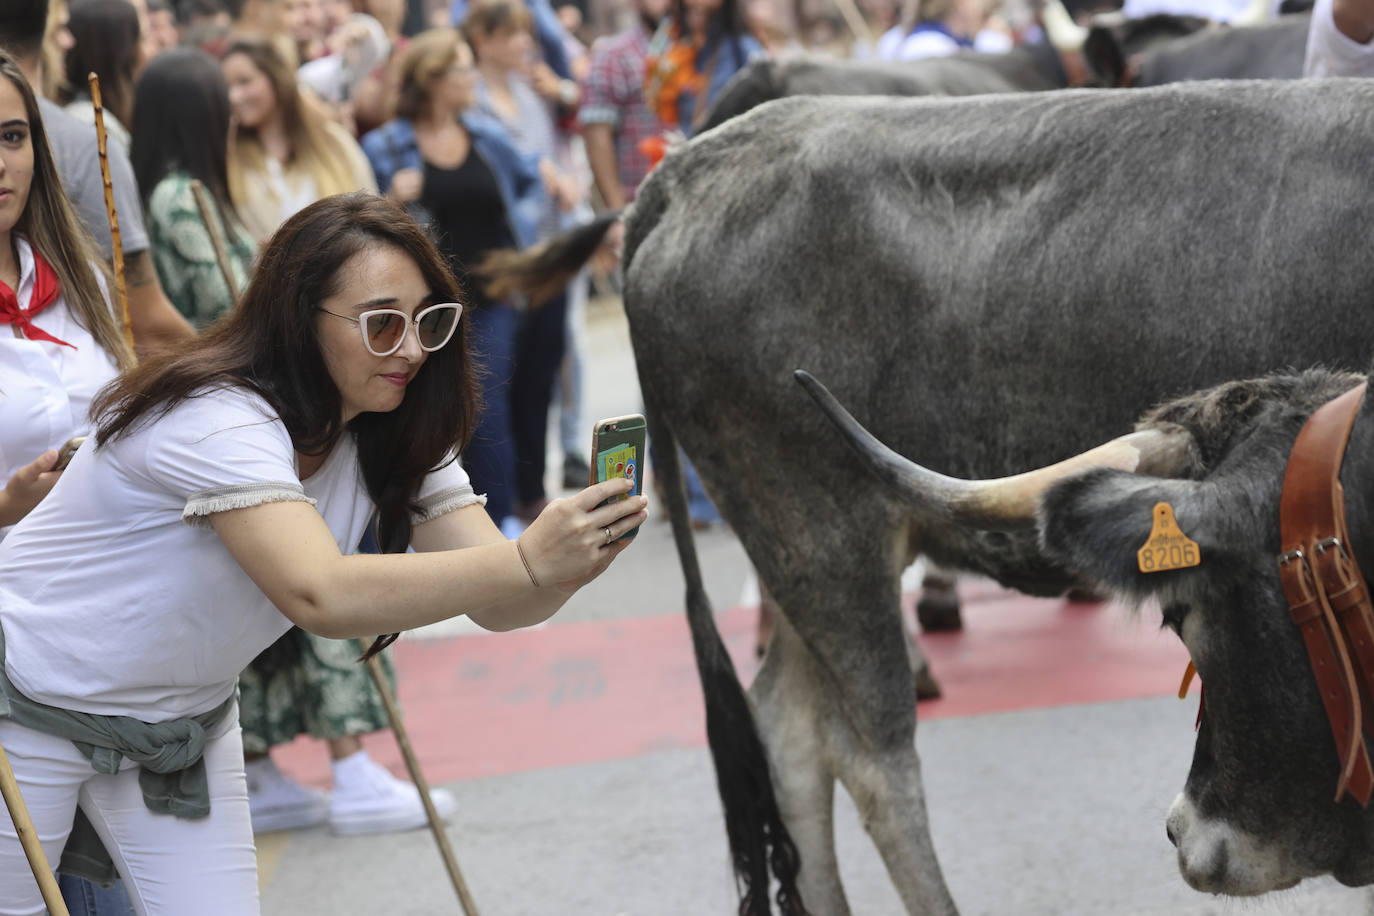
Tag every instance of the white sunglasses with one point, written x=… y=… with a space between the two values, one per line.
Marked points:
x=384 y=330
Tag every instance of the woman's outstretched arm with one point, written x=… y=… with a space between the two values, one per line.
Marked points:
x=289 y=553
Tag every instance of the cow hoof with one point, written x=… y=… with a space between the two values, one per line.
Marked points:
x=927 y=688
x=939 y=613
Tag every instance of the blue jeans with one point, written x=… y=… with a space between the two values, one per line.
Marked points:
x=490 y=457
x=699 y=505
x=700 y=509
x=538 y=354
x=84 y=898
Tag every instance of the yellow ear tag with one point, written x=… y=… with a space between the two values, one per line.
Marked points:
x=1168 y=548
x=1187 y=680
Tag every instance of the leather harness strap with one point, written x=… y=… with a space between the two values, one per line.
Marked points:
x=1326 y=594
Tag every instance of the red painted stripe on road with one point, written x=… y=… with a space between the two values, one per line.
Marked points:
x=568 y=694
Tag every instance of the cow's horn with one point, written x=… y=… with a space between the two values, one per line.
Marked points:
x=1008 y=502
x=1064 y=34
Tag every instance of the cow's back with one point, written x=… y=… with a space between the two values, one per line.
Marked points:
x=998 y=282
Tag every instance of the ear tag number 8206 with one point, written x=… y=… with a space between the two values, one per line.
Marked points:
x=1168 y=547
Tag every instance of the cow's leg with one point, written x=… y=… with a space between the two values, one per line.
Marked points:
x=791 y=709
x=937 y=610
x=886 y=788
x=836 y=684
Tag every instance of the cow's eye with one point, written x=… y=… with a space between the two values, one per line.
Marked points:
x=1173 y=617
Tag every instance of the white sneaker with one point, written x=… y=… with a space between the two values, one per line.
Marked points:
x=278 y=803
x=368 y=799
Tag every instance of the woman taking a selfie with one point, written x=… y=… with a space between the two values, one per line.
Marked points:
x=226 y=483
x=58 y=339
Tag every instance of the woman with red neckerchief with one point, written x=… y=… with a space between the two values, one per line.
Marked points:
x=59 y=342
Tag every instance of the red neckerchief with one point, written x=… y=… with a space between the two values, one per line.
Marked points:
x=46 y=289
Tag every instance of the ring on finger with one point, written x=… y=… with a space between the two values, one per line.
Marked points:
x=607 y=529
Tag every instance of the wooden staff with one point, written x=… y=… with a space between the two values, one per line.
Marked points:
x=207 y=216
x=855 y=20
x=121 y=297
x=436 y=826
x=28 y=838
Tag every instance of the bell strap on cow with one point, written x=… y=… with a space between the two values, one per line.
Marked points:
x=1326 y=592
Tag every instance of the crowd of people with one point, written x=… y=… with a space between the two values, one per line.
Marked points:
x=305 y=327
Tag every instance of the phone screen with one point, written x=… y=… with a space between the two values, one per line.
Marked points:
x=618 y=451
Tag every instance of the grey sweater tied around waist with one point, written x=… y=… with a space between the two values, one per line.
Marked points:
x=169 y=754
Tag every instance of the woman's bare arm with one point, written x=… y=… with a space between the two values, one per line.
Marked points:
x=289 y=553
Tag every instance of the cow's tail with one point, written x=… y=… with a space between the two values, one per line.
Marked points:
x=543 y=271
x=758 y=839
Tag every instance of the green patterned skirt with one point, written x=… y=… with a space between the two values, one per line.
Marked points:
x=308 y=685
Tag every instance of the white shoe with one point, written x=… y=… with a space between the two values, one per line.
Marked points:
x=278 y=803
x=368 y=799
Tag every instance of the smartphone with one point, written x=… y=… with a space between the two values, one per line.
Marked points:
x=64 y=456
x=618 y=451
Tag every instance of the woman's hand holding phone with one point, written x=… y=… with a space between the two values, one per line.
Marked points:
x=27 y=487
x=574 y=539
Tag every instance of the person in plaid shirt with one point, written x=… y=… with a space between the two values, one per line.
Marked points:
x=614 y=118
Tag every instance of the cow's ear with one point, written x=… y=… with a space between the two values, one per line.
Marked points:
x=1097 y=522
x=1104 y=56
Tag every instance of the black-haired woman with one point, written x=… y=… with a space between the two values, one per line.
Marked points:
x=226 y=484
x=181 y=135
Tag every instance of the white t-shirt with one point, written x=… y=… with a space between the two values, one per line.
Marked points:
x=1329 y=52
x=116 y=596
x=45 y=388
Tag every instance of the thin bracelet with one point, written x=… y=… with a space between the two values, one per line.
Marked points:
x=520 y=549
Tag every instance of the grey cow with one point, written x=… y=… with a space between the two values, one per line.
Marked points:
x=1026 y=68
x=1259 y=811
x=992 y=284
x=1274 y=50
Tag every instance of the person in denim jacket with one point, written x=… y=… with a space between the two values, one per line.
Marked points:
x=460 y=174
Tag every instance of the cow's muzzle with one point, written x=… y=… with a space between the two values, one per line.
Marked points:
x=1216 y=858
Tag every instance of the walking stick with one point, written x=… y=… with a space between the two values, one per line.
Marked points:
x=28 y=838
x=121 y=297
x=855 y=20
x=207 y=216
x=436 y=826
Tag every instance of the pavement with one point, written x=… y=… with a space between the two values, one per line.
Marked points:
x=576 y=751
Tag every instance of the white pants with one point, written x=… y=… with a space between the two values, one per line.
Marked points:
x=171 y=866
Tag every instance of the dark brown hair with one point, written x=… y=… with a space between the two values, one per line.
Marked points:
x=269 y=345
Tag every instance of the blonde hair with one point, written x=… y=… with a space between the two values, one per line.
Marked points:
x=313 y=147
x=427 y=56
x=50 y=226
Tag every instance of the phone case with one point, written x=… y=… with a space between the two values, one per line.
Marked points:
x=64 y=457
x=618 y=451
